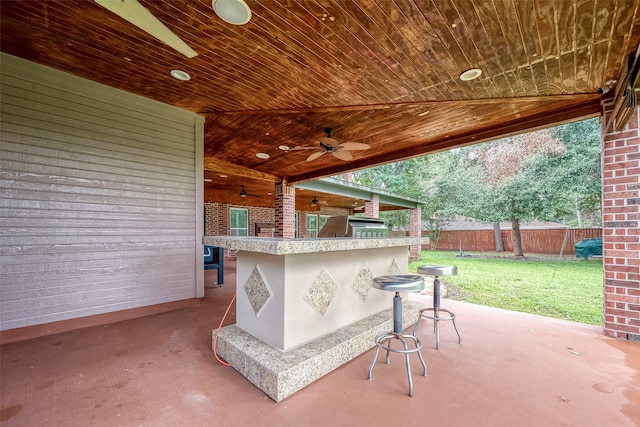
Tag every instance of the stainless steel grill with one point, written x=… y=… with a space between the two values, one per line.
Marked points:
x=357 y=227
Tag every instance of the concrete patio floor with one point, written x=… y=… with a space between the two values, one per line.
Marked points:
x=512 y=369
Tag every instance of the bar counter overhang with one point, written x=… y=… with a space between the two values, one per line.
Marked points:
x=305 y=307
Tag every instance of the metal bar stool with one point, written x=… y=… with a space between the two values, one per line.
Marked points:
x=397 y=284
x=436 y=270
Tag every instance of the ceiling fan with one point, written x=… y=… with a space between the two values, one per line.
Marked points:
x=138 y=15
x=330 y=145
x=243 y=193
x=316 y=202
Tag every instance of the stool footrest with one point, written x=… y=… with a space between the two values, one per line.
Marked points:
x=392 y=335
x=436 y=314
x=437 y=318
x=402 y=337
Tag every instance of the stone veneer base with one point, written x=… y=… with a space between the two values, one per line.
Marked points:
x=280 y=374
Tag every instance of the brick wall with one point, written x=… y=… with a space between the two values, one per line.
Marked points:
x=216 y=218
x=372 y=207
x=415 y=230
x=261 y=220
x=285 y=209
x=621 y=235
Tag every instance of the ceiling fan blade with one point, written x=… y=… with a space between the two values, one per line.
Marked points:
x=138 y=15
x=354 y=146
x=342 y=155
x=303 y=148
x=329 y=141
x=315 y=156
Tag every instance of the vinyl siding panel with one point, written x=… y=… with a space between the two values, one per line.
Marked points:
x=100 y=194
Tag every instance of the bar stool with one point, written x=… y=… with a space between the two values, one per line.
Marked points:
x=436 y=270
x=397 y=284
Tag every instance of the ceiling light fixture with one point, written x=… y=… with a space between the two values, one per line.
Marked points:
x=180 y=75
x=208 y=180
x=262 y=155
x=284 y=147
x=234 y=12
x=470 y=74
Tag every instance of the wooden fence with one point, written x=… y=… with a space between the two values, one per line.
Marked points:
x=558 y=241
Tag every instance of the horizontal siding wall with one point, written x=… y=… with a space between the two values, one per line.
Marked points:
x=99 y=193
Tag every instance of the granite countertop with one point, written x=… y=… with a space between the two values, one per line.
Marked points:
x=276 y=246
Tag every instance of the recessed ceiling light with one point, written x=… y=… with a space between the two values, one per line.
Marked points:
x=262 y=155
x=207 y=180
x=269 y=194
x=470 y=74
x=284 y=147
x=180 y=75
x=223 y=176
x=234 y=12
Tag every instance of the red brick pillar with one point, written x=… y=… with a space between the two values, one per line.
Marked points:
x=621 y=235
x=372 y=207
x=415 y=230
x=285 y=209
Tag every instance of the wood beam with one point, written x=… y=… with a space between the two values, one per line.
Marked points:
x=215 y=165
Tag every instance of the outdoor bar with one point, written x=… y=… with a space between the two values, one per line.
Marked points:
x=305 y=307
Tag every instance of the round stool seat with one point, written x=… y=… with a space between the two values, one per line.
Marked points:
x=399 y=283
x=438 y=270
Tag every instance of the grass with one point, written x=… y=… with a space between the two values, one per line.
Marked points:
x=562 y=288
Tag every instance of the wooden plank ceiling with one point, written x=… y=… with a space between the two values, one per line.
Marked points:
x=383 y=73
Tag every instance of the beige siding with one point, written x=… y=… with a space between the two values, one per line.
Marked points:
x=100 y=195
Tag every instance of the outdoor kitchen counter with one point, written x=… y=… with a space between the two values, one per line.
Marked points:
x=289 y=292
x=275 y=246
x=310 y=299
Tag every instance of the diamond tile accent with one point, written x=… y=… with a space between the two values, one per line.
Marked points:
x=362 y=284
x=322 y=291
x=393 y=268
x=258 y=290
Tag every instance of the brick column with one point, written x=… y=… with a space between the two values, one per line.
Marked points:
x=415 y=230
x=285 y=209
x=621 y=235
x=372 y=207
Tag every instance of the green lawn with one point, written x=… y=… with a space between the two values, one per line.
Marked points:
x=567 y=288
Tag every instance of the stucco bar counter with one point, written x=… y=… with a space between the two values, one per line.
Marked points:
x=304 y=307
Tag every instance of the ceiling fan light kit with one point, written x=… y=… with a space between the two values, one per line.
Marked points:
x=330 y=145
x=234 y=12
x=138 y=15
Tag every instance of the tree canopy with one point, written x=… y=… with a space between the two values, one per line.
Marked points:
x=550 y=174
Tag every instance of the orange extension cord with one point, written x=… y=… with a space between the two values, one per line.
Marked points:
x=215 y=341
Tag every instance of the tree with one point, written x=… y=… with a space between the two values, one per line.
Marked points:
x=577 y=172
x=549 y=175
x=507 y=187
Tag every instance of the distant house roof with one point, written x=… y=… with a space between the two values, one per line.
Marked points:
x=465 y=223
